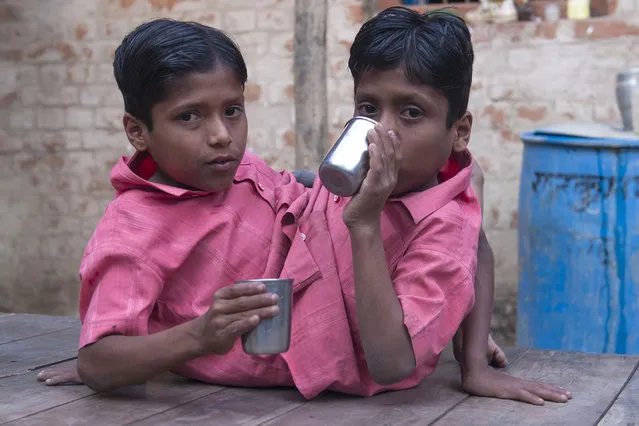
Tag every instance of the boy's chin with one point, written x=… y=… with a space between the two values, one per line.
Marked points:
x=218 y=185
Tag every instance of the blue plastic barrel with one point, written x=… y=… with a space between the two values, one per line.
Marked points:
x=579 y=244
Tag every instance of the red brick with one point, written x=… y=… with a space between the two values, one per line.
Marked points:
x=477 y=85
x=165 y=4
x=339 y=65
x=290 y=91
x=54 y=145
x=507 y=135
x=485 y=163
x=81 y=31
x=13 y=55
x=28 y=163
x=252 y=92
x=87 y=53
x=347 y=44
x=595 y=29
x=208 y=18
x=547 y=30
x=532 y=113
x=279 y=20
x=290 y=45
x=108 y=118
x=8 y=13
x=514 y=220
x=55 y=161
x=289 y=138
x=65 y=50
x=494 y=214
x=496 y=115
x=355 y=14
x=7 y=99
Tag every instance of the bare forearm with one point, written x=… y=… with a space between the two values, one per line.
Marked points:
x=387 y=344
x=476 y=326
x=117 y=361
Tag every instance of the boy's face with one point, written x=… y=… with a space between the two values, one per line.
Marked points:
x=417 y=113
x=199 y=131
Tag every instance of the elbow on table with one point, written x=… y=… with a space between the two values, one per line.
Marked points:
x=90 y=374
x=390 y=373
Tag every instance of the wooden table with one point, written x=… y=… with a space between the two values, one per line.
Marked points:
x=605 y=391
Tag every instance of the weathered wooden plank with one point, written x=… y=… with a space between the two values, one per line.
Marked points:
x=20 y=356
x=311 y=107
x=121 y=407
x=23 y=395
x=594 y=381
x=23 y=326
x=625 y=410
x=232 y=406
x=432 y=398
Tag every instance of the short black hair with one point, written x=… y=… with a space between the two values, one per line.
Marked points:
x=156 y=53
x=433 y=48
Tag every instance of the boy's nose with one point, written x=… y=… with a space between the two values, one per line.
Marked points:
x=219 y=133
x=388 y=121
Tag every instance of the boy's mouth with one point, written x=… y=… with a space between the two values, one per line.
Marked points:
x=223 y=163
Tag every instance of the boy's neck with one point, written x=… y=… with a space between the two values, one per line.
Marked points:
x=434 y=181
x=142 y=164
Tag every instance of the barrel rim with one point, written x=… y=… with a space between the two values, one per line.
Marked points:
x=536 y=137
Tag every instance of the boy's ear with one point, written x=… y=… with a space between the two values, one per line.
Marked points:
x=136 y=132
x=462 y=129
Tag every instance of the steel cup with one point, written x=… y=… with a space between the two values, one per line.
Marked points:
x=346 y=164
x=273 y=335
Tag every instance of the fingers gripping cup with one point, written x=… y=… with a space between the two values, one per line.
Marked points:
x=272 y=335
x=346 y=164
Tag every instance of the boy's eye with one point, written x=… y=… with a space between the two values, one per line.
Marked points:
x=412 y=112
x=233 y=111
x=188 y=117
x=367 y=109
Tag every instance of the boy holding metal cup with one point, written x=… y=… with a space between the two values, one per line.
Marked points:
x=403 y=250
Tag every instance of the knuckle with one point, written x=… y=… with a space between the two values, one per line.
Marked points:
x=218 y=322
x=243 y=303
x=216 y=306
x=233 y=329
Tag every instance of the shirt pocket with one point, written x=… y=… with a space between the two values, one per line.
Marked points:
x=300 y=266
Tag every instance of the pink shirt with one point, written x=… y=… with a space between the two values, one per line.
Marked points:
x=154 y=263
x=159 y=254
x=430 y=240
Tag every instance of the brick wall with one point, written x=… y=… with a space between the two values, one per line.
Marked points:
x=60 y=115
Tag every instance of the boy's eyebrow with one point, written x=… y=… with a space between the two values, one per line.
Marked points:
x=202 y=102
x=399 y=97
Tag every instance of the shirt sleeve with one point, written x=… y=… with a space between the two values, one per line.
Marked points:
x=118 y=293
x=436 y=292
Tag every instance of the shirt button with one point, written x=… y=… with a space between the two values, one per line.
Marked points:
x=335 y=198
x=303 y=237
x=259 y=185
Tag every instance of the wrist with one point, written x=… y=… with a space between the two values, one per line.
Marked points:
x=472 y=365
x=365 y=228
x=193 y=339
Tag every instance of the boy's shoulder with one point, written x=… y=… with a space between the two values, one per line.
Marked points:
x=142 y=212
x=446 y=217
x=451 y=198
x=255 y=168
